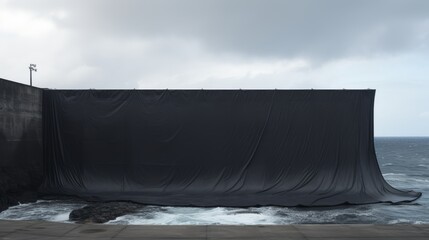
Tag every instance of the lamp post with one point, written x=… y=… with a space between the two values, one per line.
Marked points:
x=32 y=68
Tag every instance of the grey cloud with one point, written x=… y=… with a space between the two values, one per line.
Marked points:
x=286 y=29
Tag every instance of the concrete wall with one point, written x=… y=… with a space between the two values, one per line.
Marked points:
x=20 y=142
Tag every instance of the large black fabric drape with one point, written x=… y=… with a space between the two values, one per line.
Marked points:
x=214 y=147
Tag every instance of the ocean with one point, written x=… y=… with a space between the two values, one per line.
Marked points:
x=404 y=163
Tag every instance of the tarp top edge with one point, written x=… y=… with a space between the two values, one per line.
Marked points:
x=203 y=89
x=22 y=84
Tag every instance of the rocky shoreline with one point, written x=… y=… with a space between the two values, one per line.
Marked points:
x=103 y=212
x=19 y=185
x=94 y=212
x=12 y=199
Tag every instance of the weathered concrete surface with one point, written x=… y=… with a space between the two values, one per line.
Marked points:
x=50 y=230
x=20 y=142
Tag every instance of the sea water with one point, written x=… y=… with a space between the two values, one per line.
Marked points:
x=403 y=161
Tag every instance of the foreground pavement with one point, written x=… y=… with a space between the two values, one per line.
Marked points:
x=51 y=230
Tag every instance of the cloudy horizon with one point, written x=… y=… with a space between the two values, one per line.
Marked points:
x=248 y=44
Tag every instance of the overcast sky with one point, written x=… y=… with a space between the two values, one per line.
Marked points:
x=326 y=44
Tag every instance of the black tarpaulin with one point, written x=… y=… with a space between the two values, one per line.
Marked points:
x=214 y=147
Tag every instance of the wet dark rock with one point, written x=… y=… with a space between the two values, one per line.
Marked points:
x=11 y=199
x=103 y=212
x=4 y=202
x=18 y=184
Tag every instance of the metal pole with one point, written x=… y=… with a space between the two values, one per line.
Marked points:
x=32 y=68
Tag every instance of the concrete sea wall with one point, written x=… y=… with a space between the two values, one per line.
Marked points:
x=21 y=156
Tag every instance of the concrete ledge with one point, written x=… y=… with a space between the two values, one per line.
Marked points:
x=51 y=230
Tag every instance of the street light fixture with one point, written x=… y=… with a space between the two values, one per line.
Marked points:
x=32 y=68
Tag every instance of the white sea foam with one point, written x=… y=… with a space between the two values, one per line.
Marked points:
x=248 y=216
x=421 y=180
x=198 y=216
x=62 y=217
x=57 y=211
x=400 y=221
x=399 y=177
x=393 y=174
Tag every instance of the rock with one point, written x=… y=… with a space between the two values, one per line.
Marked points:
x=11 y=199
x=18 y=184
x=4 y=202
x=103 y=212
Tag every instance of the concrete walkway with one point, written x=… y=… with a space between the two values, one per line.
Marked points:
x=50 y=230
